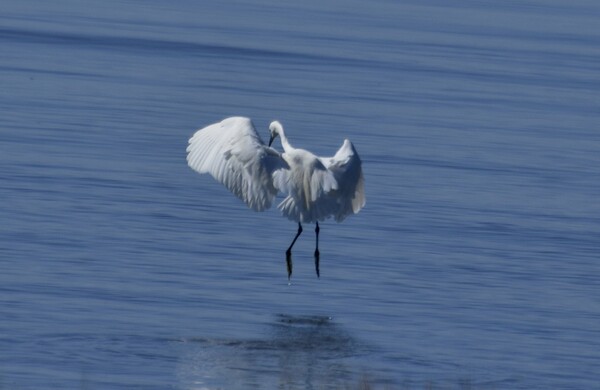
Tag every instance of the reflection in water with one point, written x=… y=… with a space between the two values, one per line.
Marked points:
x=299 y=352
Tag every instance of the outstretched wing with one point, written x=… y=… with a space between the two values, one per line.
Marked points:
x=346 y=167
x=233 y=153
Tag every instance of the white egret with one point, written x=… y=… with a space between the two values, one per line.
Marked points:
x=316 y=188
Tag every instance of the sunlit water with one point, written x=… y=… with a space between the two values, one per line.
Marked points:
x=475 y=262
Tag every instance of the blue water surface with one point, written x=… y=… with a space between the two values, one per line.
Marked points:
x=473 y=265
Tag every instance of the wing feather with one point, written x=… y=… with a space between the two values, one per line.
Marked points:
x=232 y=152
x=346 y=167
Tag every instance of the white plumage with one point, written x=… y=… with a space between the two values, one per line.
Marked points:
x=316 y=188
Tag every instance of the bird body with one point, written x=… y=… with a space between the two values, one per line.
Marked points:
x=316 y=188
x=308 y=184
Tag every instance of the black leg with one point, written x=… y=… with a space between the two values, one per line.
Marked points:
x=288 y=253
x=317 y=254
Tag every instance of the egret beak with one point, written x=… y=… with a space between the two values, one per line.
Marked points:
x=271 y=140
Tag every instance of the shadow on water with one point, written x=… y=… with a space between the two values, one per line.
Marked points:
x=297 y=352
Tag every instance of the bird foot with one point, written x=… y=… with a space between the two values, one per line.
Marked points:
x=288 y=261
x=317 y=258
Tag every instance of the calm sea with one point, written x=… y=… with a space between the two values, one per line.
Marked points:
x=475 y=263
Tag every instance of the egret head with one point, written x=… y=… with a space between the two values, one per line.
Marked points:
x=275 y=129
